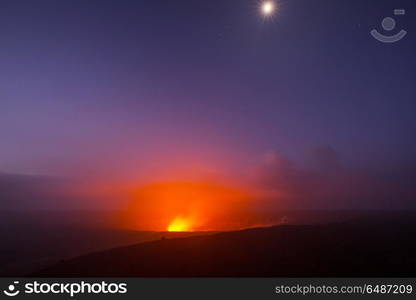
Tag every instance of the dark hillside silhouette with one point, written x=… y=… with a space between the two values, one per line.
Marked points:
x=373 y=248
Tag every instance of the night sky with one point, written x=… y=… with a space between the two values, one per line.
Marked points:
x=131 y=88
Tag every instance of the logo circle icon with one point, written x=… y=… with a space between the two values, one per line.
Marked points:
x=11 y=290
x=388 y=24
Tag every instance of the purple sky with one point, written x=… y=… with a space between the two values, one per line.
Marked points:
x=121 y=88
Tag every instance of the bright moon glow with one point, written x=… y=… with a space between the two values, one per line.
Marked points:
x=178 y=225
x=268 y=7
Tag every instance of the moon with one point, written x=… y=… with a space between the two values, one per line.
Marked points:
x=268 y=8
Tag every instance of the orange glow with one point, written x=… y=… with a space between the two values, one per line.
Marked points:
x=187 y=206
x=179 y=224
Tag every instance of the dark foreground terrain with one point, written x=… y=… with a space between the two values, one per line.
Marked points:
x=378 y=248
x=33 y=241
